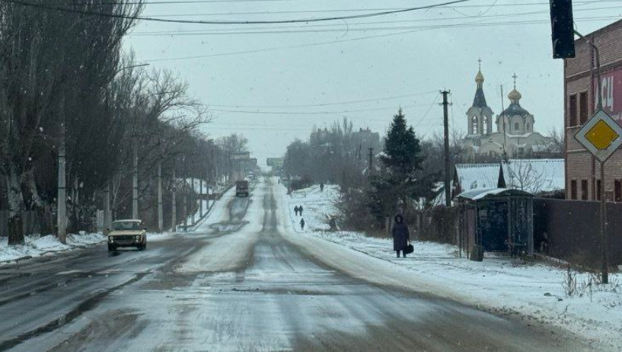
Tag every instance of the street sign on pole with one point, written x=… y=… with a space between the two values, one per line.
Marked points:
x=601 y=135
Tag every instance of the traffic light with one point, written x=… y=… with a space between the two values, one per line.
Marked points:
x=562 y=28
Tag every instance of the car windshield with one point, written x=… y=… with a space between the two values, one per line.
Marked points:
x=125 y=225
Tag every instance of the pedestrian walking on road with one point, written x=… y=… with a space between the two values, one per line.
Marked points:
x=296 y=209
x=302 y=224
x=322 y=187
x=401 y=236
x=300 y=210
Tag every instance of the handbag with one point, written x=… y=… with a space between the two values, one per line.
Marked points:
x=409 y=249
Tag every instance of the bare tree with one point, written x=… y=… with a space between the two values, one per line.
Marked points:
x=520 y=174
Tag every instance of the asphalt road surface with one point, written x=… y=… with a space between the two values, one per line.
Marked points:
x=237 y=284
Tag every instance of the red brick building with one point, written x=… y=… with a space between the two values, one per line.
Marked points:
x=583 y=170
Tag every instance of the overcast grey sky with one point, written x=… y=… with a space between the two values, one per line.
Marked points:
x=273 y=83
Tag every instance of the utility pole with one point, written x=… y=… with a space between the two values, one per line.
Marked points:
x=173 y=196
x=371 y=161
x=135 y=180
x=185 y=199
x=595 y=72
x=446 y=135
x=61 y=211
x=107 y=213
x=200 y=197
x=160 y=208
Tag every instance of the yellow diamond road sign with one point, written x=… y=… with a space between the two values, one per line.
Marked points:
x=601 y=135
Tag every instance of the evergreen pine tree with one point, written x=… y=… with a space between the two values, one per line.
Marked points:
x=398 y=180
x=401 y=148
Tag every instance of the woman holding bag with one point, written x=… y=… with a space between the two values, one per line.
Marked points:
x=401 y=237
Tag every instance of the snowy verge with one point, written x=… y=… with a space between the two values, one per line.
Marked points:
x=531 y=291
x=36 y=246
x=318 y=206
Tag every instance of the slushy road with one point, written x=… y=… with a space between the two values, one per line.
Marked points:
x=239 y=283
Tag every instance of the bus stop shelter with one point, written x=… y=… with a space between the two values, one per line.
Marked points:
x=495 y=220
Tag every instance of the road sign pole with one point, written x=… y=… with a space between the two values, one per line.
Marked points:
x=603 y=228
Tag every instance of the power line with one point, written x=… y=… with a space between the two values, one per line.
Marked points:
x=419 y=29
x=427 y=112
x=190 y=2
x=325 y=104
x=307 y=20
x=340 y=26
x=389 y=28
x=260 y=112
x=271 y=13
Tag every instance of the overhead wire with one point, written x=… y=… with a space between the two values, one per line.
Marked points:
x=326 y=104
x=384 y=35
x=336 y=112
x=423 y=117
x=368 y=29
x=272 y=13
x=190 y=2
x=238 y=22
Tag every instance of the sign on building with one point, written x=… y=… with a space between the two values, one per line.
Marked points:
x=611 y=88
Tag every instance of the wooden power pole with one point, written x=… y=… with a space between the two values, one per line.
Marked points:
x=371 y=161
x=160 y=208
x=61 y=211
x=135 y=180
x=445 y=93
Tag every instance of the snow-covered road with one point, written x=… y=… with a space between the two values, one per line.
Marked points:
x=244 y=281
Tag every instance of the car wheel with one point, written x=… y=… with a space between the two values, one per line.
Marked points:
x=111 y=248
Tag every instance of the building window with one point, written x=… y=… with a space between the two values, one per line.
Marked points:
x=582 y=107
x=584 y=191
x=573 y=189
x=474 y=125
x=527 y=126
x=572 y=110
x=516 y=126
x=618 y=191
x=598 y=190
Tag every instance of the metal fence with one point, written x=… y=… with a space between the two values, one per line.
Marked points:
x=573 y=231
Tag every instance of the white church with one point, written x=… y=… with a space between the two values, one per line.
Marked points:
x=514 y=136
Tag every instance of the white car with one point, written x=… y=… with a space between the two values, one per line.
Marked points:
x=127 y=233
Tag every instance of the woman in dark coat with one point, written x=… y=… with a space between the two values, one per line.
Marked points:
x=401 y=236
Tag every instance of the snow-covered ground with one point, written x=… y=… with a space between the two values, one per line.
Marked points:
x=318 y=206
x=36 y=245
x=531 y=291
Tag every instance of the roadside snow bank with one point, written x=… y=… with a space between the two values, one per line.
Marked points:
x=531 y=291
x=36 y=245
x=318 y=206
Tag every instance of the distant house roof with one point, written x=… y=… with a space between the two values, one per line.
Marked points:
x=477 y=176
x=529 y=175
x=535 y=175
x=492 y=192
